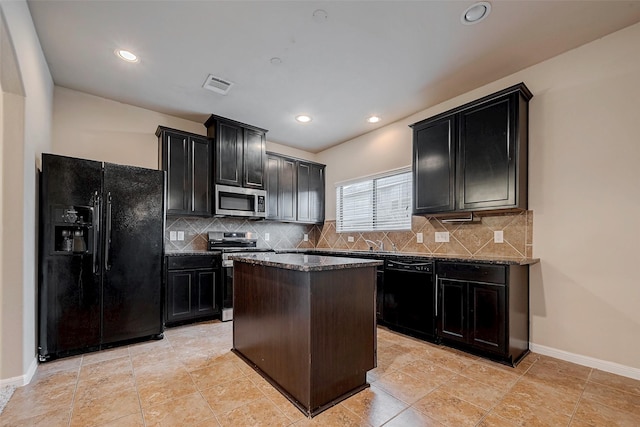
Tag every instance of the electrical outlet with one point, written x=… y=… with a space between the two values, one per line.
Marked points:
x=305 y=238
x=173 y=236
x=180 y=235
x=442 y=236
x=266 y=237
x=350 y=239
x=498 y=236
x=419 y=238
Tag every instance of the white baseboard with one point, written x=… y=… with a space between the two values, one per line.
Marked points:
x=22 y=380
x=591 y=362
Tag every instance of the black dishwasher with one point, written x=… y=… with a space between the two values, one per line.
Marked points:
x=409 y=298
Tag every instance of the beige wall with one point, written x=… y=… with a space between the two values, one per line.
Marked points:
x=583 y=191
x=26 y=133
x=95 y=128
x=289 y=151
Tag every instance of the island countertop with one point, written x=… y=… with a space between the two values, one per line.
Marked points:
x=301 y=262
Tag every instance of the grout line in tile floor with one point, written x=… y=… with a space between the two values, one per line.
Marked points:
x=575 y=407
x=415 y=384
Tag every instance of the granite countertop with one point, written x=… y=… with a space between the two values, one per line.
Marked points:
x=381 y=255
x=301 y=262
x=421 y=256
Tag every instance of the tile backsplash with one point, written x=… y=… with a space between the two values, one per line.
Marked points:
x=465 y=239
x=281 y=235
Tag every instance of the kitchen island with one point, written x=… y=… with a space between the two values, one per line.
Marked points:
x=307 y=324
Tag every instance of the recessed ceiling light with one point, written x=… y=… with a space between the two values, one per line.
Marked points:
x=476 y=13
x=373 y=119
x=126 y=55
x=303 y=118
x=320 y=16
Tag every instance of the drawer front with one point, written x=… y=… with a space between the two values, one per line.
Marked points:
x=473 y=272
x=190 y=262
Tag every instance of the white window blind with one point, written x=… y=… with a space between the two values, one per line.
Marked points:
x=375 y=203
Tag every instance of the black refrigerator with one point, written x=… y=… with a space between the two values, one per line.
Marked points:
x=101 y=251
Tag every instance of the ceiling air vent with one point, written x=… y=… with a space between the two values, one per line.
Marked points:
x=216 y=84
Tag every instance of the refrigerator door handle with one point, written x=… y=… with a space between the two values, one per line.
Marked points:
x=107 y=234
x=96 y=231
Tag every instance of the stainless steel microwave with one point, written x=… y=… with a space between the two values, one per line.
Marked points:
x=238 y=201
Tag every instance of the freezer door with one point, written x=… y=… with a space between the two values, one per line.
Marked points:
x=133 y=209
x=69 y=291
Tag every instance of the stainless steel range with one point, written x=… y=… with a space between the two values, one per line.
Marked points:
x=232 y=243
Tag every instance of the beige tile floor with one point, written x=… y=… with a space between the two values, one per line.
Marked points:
x=192 y=379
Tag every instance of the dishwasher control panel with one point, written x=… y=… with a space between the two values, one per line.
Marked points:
x=421 y=266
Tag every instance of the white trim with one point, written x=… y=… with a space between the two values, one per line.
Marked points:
x=22 y=380
x=591 y=362
x=390 y=172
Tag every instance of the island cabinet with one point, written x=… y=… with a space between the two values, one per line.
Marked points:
x=192 y=283
x=307 y=324
x=484 y=308
x=187 y=159
x=295 y=189
x=240 y=152
x=474 y=157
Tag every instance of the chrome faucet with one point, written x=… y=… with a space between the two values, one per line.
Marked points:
x=378 y=244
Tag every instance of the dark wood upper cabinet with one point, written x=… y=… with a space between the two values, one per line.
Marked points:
x=434 y=150
x=488 y=154
x=272 y=186
x=281 y=188
x=240 y=152
x=310 y=192
x=255 y=146
x=473 y=157
x=228 y=142
x=295 y=189
x=187 y=159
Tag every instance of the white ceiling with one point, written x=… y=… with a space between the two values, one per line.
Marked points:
x=391 y=58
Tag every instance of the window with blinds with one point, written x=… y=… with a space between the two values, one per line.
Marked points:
x=376 y=203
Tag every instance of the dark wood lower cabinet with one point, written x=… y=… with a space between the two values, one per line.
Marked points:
x=453 y=311
x=191 y=289
x=485 y=308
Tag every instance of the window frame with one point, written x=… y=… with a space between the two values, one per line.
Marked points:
x=406 y=170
